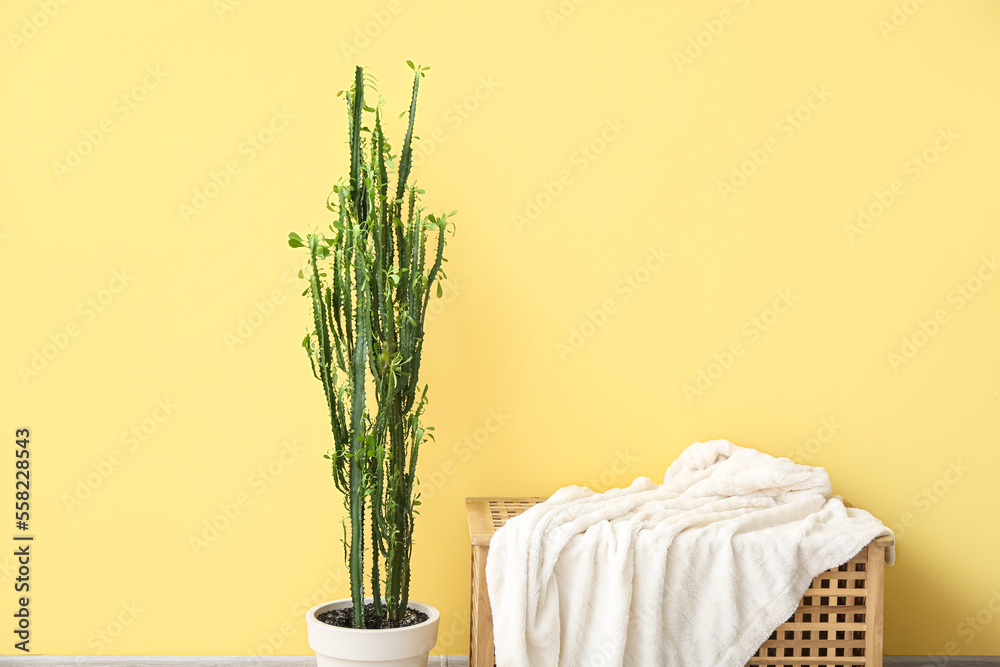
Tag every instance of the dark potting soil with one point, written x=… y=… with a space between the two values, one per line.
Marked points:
x=344 y=618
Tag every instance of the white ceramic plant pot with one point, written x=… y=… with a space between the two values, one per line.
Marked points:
x=349 y=647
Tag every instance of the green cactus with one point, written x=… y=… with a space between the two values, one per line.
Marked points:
x=370 y=282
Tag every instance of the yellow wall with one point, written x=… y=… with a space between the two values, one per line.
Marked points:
x=615 y=109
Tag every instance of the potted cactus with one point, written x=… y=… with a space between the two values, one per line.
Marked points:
x=370 y=278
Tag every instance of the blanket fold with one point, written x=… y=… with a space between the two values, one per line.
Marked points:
x=694 y=572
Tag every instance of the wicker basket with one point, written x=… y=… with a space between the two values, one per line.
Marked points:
x=838 y=622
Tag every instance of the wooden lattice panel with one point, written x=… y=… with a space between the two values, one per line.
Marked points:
x=830 y=627
x=838 y=622
x=502 y=509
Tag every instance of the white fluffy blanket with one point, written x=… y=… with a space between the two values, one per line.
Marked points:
x=695 y=572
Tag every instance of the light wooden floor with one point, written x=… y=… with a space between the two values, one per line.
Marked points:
x=310 y=661
x=192 y=661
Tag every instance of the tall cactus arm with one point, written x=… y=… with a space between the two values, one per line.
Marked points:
x=307 y=345
x=346 y=288
x=335 y=328
x=442 y=225
x=406 y=156
x=432 y=276
x=383 y=175
x=358 y=363
x=357 y=107
x=324 y=361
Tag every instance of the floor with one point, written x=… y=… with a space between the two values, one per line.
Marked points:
x=191 y=661
x=310 y=661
